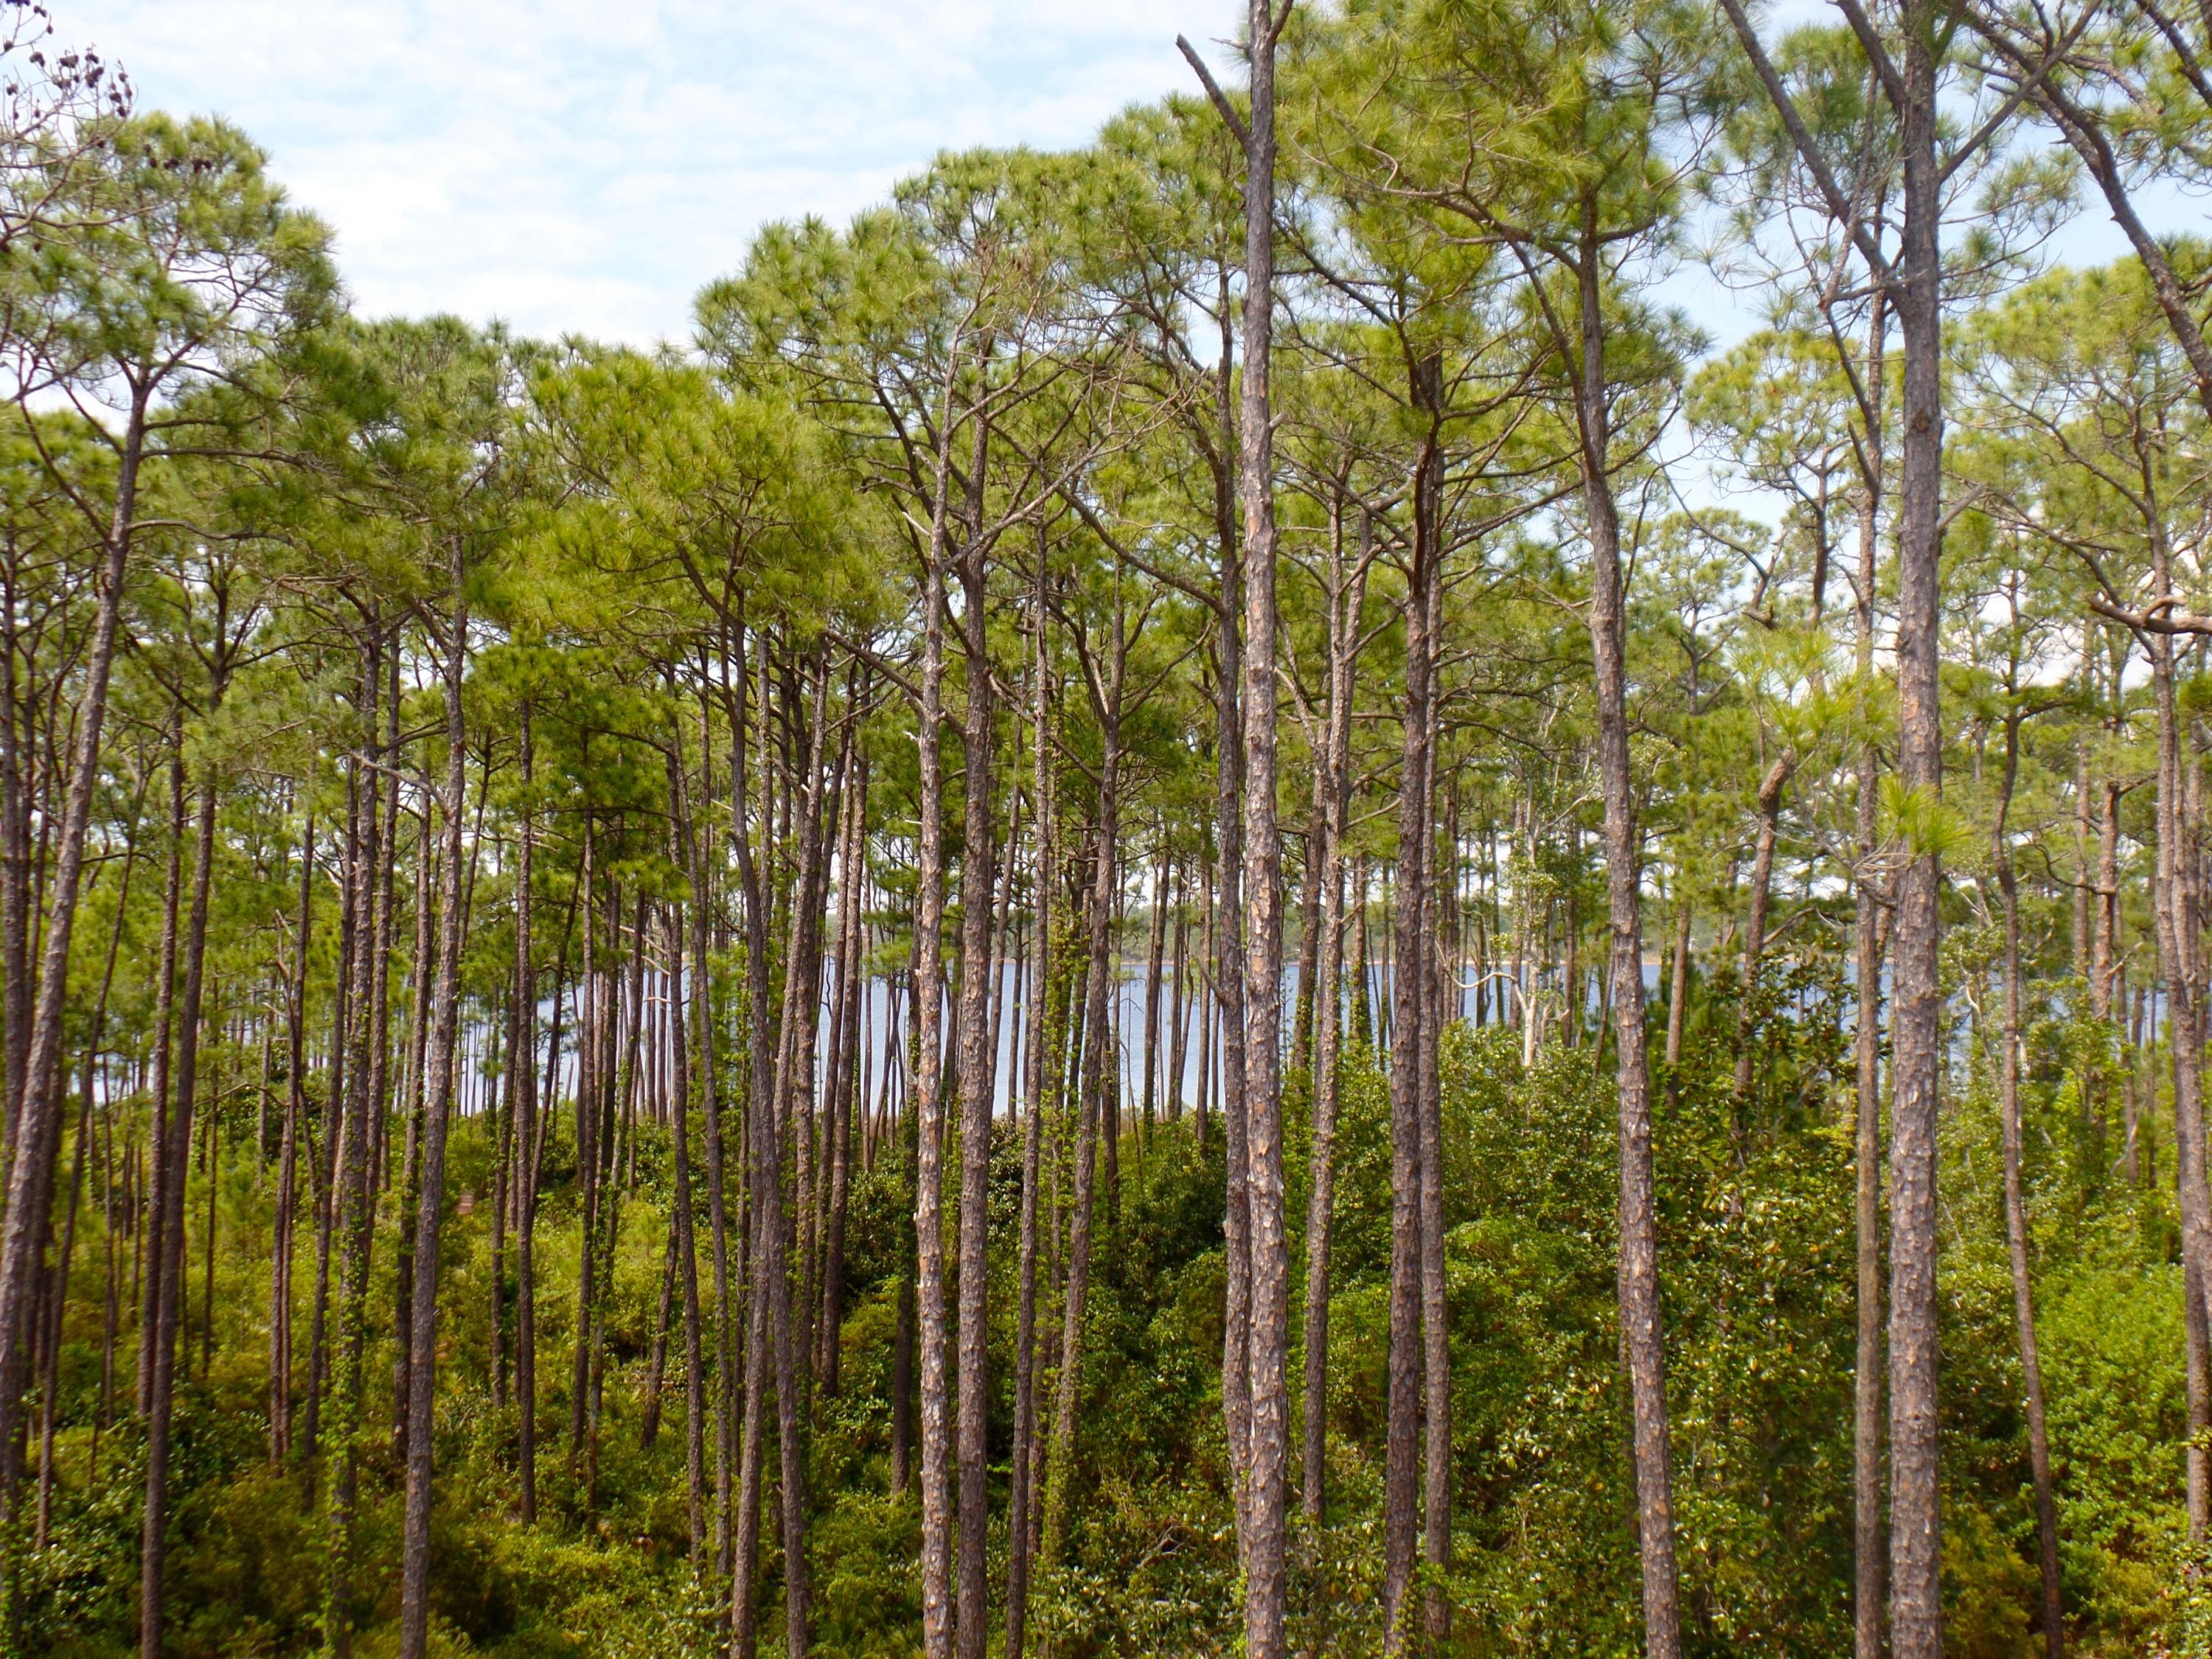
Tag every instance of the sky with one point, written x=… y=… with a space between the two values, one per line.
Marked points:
x=586 y=168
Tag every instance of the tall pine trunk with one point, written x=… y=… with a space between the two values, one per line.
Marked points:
x=438 y=1093
x=976 y=865
x=1916 y=1603
x=1641 y=1337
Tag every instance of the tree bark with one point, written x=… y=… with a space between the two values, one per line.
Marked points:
x=288 y=1158
x=2030 y=1364
x=1409 y=1055
x=1915 y=1535
x=167 y=1267
x=845 y=1080
x=36 y=1141
x=353 y=1213
x=1264 y=1583
x=1754 y=932
x=525 y=1111
x=1042 y=1067
x=1868 y=1555
x=1097 y=1078
x=1642 y=1338
x=1346 y=596
x=769 y=1313
x=976 y=869
x=423 y=1334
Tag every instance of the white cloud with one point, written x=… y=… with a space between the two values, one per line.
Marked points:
x=586 y=168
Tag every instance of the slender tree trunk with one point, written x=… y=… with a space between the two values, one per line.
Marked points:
x=1754 y=932
x=1435 y=1349
x=1264 y=1583
x=323 y=1165
x=287 y=1160
x=905 y=1048
x=148 y=1232
x=702 y=1023
x=1097 y=1078
x=977 y=868
x=1639 y=1266
x=1868 y=1555
x=519 y=1053
x=50 y=1377
x=681 y=1224
x=591 y=1015
x=1226 y=1043
x=1678 y=985
x=525 y=1110
x=845 y=1078
x=2030 y=1364
x=1155 y=956
x=1316 y=838
x=1409 y=1059
x=213 y=1164
x=353 y=1213
x=1916 y=1608
x=1362 y=1017
x=38 y=1117
x=2178 y=924
x=937 y=1517
x=1180 y=999
x=423 y=1332
x=111 y=1219
x=1042 y=1066
x=1347 y=596
x=410 y=1183
x=769 y=1314
x=167 y=1275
